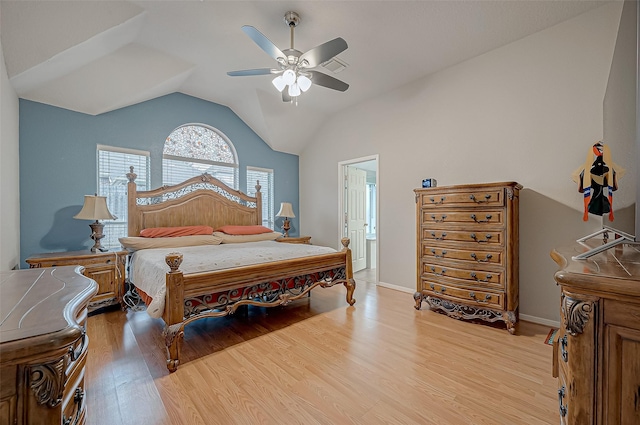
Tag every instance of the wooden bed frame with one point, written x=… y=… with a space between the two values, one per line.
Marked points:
x=205 y=200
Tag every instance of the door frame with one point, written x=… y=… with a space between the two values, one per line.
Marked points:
x=341 y=201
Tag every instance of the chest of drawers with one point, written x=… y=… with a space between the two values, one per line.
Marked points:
x=467 y=251
x=596 y=355
x=43 y=346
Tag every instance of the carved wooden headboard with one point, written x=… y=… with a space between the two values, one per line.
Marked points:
x=201 y=200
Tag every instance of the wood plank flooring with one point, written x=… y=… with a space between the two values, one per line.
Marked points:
x=319 y=361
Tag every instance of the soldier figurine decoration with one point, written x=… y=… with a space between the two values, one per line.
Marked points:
x=597 y=179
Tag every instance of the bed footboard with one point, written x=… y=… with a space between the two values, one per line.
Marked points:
x=182 y=309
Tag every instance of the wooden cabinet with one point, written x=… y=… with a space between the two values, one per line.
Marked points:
x=467 y=251
x=300 y=239
x=597 y=348
x=106 y=268
x=43 y=346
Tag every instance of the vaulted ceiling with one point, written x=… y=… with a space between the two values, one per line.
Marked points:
x=97 y=56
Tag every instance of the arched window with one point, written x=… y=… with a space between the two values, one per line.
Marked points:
x=193 y=149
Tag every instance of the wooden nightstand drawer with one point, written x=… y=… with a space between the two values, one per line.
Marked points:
x=106 y=268
x=301 y=239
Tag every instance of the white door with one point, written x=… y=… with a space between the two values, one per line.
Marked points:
x=356 y=191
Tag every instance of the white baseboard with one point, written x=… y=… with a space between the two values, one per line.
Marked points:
x=539 y=320
x=397 y=287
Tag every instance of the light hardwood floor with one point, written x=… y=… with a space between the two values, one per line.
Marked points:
x=319 y=361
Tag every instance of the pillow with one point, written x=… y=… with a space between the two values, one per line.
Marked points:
x=163 y=232
x=135 y=243
x=243 y=230
x=248 y=238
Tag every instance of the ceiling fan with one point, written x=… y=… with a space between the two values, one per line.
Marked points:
x=295 y=69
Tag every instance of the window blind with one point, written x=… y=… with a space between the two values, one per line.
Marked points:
x=176 y=171
x=113 y=166
x=265 y=177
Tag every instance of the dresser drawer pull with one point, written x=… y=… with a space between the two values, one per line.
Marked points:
x=433 y=251
x=486 y=199
x=433 y=201
x=438 y=238
x=75 y=354
x=487 y=258
x=442 y=217
x=563 y=348
x=474 y=218
x=563 y=409
x=78 y=398
x=442 y=289
x=475 y=238
x=432 y=286
x=433 y=270
x=487 y=297
x=475 y=276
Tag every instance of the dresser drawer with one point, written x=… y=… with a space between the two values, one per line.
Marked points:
x=490 y=299
x=470 y=219
x=491 y=197
x=464 y=277
x=469 y=255
x=479 y=237
x=77 y=356
x=73 y=403
x=563 y=392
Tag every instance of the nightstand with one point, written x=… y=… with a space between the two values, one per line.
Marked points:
x=301 y=239
x=106 y=268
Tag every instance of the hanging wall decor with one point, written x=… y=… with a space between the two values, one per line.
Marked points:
x=597 y=179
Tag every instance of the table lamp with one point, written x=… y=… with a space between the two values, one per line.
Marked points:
x=286 y=211
x=95 y=208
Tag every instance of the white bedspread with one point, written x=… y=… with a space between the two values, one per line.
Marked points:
x=148 y=268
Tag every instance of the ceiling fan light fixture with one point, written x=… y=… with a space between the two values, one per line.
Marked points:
x=279 y=83
x=295 y=68
x=294 y=90
x=304 y=83
x=289 y=77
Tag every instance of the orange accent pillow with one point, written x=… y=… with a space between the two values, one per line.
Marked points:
x=164 y=232
x=244 y=230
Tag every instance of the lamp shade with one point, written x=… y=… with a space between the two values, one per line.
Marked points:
x=95 y=208
x=279 y=83
x=289 y=76
x=294 y=90
x=304 y=83
x=286 y=210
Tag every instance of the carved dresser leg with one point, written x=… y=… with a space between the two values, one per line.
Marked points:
x=418 y=297
x=510 y=320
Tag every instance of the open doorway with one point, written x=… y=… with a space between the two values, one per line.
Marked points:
x=358 y=203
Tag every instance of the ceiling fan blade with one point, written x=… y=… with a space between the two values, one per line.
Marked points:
x=245 y=72
x=263 y=42
x=325 y=80
x=324 y=52
x=285 y=96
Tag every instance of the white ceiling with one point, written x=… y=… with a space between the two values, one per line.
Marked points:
x=97 y=56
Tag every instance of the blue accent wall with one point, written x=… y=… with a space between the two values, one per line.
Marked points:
x=58 y=165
